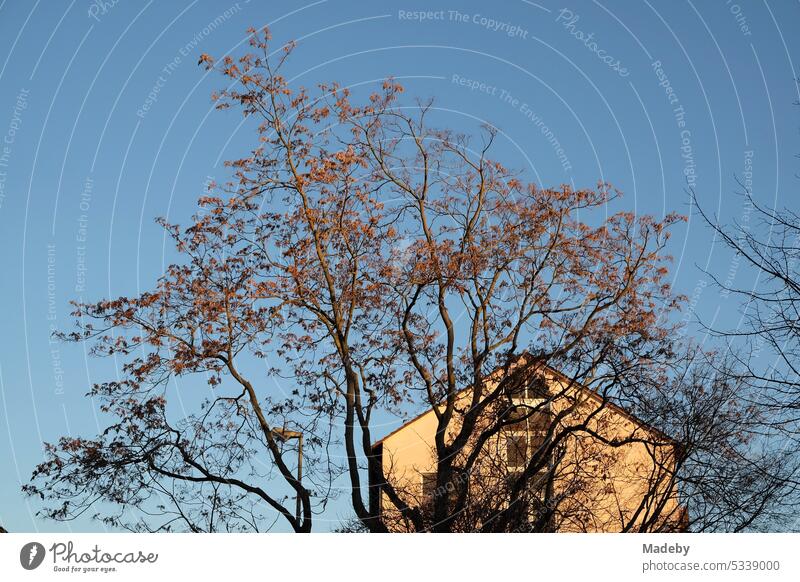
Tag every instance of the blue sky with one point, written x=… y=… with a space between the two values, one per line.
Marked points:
x=106 y=123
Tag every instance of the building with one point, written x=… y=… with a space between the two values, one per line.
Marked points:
x=585 y=465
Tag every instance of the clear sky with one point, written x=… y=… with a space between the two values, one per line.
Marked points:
x=106 y=123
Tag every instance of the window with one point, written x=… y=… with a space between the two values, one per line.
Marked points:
x=525 y=436
x=428 y=486
x=530 y=389
x=530 y=410
x=534 y=500
x=538 y=499
x=536 y=484
x=538 y=427
x=535 y=417
x=516 y=449
x=518 y=415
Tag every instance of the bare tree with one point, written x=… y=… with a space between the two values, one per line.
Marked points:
x=203 y=471
x=770 y=245
x=380 y=264
x=765 y=349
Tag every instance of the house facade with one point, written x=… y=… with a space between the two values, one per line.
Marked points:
x=563 y=459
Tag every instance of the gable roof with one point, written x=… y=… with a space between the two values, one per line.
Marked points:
x=583 y=388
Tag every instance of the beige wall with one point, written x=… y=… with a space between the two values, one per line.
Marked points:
x=598 y=487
